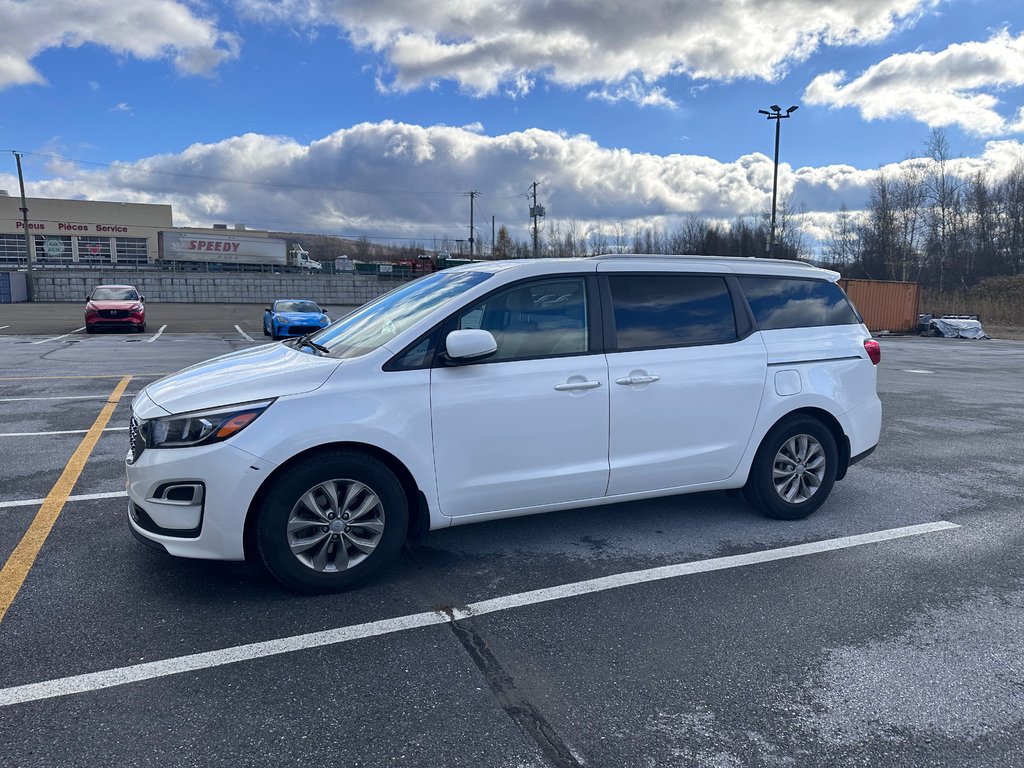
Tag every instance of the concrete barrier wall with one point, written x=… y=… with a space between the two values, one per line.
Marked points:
x=242 y=288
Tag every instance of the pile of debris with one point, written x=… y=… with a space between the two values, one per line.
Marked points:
x=951 y=326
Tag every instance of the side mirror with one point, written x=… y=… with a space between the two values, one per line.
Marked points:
x=267 y=309
x=469 y=345
x=88 y=297
x=142 y=298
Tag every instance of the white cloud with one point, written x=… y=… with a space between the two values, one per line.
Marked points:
x=486 y=46
x=955 y=86
x=122 y=107
x=633 y=91
x=395 y=179
x=145 y=29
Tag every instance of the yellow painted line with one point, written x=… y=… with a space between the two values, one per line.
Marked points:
x=97 y=376
x=13 y=574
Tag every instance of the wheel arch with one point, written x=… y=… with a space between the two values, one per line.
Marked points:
x=419 y=513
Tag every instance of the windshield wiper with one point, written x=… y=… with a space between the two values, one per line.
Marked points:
x=306 y=341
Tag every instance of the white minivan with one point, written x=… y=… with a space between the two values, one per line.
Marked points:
x=507 y=388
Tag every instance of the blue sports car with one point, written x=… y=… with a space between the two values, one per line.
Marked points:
x=293 y=317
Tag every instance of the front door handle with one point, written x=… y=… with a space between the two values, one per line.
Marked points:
x=572 y=386
x=647 y=379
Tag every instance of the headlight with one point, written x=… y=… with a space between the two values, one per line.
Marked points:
x=202 y=427
x=135 y=308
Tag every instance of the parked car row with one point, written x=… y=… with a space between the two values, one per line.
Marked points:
x=123 y=307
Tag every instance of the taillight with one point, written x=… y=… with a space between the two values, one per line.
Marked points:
x=874 y=351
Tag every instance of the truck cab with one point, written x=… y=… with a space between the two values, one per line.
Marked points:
x=299 y=257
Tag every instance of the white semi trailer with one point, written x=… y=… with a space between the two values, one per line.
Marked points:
x=231 y=249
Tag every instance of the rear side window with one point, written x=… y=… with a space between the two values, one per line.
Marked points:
x=782 y=302
x=671 y=310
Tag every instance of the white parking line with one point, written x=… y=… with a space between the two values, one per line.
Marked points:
x=157 y=336
x=94 y=681
x=79 y=497
x=59 y=432
x=246 y=335
x=916 y=370
x=4 y=326
x=57 y=338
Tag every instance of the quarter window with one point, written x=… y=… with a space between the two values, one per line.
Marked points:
x=539 y=319
x=671 y=310
x=780 y=302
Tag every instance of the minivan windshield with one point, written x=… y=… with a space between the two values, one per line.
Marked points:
x=372 y=326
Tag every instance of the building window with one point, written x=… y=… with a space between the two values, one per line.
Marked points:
x=131 y=250
x=53 y=249
x=12 y=249
x=94 y=250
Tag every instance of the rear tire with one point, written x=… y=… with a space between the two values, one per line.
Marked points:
x=794 y=469
x=331 y=521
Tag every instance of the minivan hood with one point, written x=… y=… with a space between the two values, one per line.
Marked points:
x=266 y=371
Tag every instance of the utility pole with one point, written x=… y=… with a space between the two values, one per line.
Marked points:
x=536 y=211
x=777 y=116
x=30 y=276
x=492 y=235
x=472 y=196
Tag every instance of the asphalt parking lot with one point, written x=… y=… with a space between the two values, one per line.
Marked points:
x=885 y=630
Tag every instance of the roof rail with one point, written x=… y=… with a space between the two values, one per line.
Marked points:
x=696 y=257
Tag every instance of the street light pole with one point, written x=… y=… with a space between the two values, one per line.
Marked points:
x=777 y=115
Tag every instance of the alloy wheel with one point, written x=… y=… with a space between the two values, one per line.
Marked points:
x=335 y=525
x=799 y=468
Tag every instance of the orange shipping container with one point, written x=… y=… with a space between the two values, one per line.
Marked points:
x=885 y=305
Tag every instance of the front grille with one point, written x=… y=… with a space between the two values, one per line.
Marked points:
x=136 y=443
x=302 y=330
x=113 y=313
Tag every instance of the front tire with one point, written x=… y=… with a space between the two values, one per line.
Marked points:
x=794 y=469
x=331 y=521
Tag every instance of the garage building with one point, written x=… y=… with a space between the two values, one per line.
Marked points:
x=86 y=232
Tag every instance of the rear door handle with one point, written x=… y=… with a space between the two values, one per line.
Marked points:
x=627 y=380
x=572 y=386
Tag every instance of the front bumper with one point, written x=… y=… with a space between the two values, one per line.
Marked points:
x=133 y=320
x=192 y=502
x=297 y=330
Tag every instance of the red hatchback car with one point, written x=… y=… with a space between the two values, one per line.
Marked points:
x=115 y=306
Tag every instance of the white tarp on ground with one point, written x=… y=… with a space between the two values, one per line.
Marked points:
x=958 y=329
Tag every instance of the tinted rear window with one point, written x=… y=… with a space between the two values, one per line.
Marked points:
x=780 y=302
x=671 y=310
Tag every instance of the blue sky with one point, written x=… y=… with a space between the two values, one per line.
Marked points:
x=373 y=117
